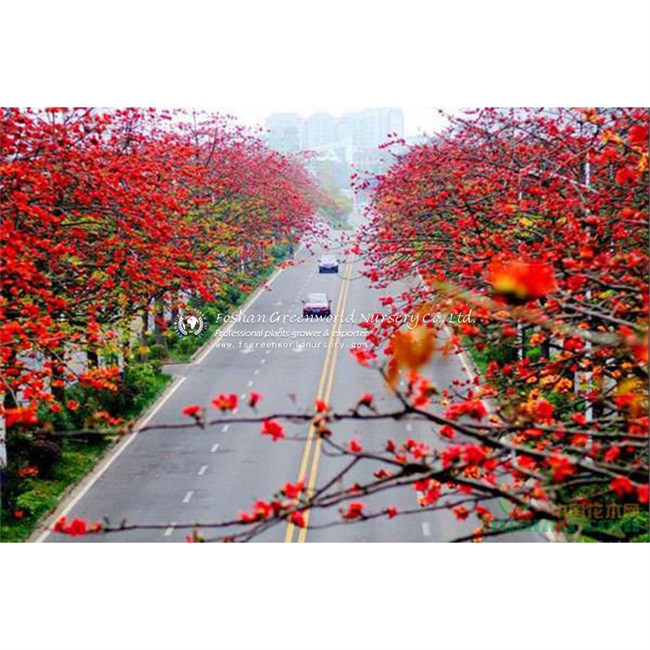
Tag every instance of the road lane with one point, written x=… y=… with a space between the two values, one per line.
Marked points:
x=170 y=477
x=309 y=463
x=151 y=479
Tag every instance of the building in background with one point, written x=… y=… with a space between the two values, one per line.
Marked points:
x=339 y=144
x=284 y=132
x=369 y=128
x=319 y=129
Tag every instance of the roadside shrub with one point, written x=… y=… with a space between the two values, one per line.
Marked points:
x=29 y=502
x=44 y=454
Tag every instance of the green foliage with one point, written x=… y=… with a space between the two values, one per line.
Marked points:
x=40 y=496
x=534 y=353
x=62 y=462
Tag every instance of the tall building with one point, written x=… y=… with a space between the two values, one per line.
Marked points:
x=351 y=139
x=284 y=131
x=369 y=128
x=319 y=129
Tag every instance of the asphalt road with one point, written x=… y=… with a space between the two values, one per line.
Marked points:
x=200 y=476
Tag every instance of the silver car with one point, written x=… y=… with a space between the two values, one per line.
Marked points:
x=317 y=304
x=328 y=264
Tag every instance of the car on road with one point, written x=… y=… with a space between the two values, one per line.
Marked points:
x=328 y=264
x=317 y=304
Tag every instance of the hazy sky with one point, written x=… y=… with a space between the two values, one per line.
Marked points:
x=416 y=120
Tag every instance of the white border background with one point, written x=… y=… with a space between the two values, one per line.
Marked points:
x=327 y=53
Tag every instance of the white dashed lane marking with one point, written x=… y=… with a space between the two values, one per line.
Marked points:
x=224 y=429
x=170 y=530
x=188 y=496
x=202 y=470
x=426 y=529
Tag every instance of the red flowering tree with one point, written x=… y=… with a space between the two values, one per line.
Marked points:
x=537 y=221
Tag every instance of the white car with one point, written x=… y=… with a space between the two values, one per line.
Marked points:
x=317 y=304
x=328 y=264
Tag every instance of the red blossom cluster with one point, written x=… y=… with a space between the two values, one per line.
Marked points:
x=76 y=527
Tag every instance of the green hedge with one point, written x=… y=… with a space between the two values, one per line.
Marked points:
x=60 y=461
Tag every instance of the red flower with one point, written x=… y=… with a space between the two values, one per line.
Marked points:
x=28 y=471
x=75 y=528
x=638 y=134
x=354 y=511
x=59 y=525
x=321 y=406
x=73 y=405
x=543 y=411
x=473 y=454
x=363 y=355
x=366 y=400
x=354 y=446
x=519 y=281
x=447 y=432
x=432 y=494
x=18 y=514
x=642 y=494
x=20 y=415
x=450 y=456
x=253 y=398
x=562 y=468
x=474 y=408
x=298 y=519
x=193 y=410
x=225 y=402
x=574 y=344
x=612 y=454
x=273 y=429
x=461 y=513
x=293 y=490
x=622 y=486
x=263 y=510
x=626 y=175
x=391 y=512
x=246 y=518
x=483 y=513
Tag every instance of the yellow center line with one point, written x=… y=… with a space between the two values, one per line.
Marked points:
x=330 y=352
x=302 y=533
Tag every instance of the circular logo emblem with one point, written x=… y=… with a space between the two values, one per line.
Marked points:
x=190 y=321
